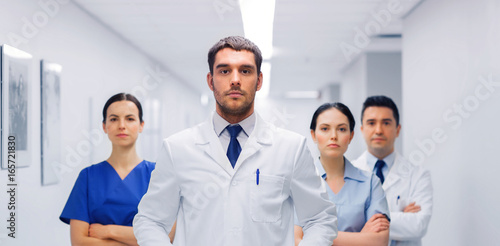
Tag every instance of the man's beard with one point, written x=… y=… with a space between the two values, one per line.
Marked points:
x=243 y=110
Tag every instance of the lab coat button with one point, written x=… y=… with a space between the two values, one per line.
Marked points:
x=235 y=183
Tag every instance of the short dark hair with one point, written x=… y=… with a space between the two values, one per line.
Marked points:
x=337 y=105
x=236 y=43
x=121 y=97
x=381 y=101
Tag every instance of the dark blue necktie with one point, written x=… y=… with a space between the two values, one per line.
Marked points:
x=378 y=166
x=234 y=148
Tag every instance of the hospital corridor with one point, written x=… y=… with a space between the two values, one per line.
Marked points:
x=249 y=122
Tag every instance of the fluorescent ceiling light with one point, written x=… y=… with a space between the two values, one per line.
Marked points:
x=204 y=99
x=258 y=22
x=302 y=94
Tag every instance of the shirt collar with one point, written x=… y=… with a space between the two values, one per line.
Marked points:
x=247 y=124
x=389 y=160
x=350 y=172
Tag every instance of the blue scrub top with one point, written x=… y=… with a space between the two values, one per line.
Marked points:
x=360 y=198
x=101 y=196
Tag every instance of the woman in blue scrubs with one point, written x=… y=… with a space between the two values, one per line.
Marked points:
x=358 y=195
x=104 y=200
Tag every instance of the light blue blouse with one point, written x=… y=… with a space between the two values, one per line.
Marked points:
x=360 y=198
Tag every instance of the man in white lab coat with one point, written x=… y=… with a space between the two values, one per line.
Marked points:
x=407 y=186
x=235 y=179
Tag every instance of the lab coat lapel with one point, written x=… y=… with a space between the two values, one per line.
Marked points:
x=391 y=179
x=361 y=163
x=396 y=173
x=261 y=135
x=210 y=143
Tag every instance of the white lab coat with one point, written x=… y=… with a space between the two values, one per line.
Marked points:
x=410 y=183
x=215 y=204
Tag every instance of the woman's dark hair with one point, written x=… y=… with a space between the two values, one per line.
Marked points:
x=340 y=107
x=121 y=97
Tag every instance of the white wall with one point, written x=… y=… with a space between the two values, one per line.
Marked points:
x=96 y=64
x=447 y=47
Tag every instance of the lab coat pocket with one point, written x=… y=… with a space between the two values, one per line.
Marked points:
x=401 y=203
x=266 y=198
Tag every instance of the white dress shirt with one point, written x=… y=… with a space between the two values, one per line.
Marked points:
x=220 y=125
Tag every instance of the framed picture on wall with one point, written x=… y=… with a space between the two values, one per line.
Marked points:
x=17 y=141
x=50 y=112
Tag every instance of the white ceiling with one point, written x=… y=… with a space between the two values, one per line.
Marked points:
x=307 y=35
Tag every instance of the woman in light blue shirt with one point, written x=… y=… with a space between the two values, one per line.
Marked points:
x=358 y=195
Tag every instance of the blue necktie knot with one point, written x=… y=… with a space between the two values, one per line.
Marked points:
x=378 y=166
x=234 y=130
x=234 y=148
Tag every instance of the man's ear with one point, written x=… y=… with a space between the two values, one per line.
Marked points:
x=210 y=81
x=259 y=81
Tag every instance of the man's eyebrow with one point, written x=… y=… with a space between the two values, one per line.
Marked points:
x=248 y=66
x=386 y=119
x=222 y=65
